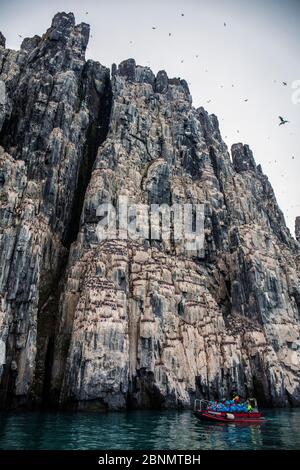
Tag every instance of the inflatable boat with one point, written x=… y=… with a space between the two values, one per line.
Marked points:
x=202 y=412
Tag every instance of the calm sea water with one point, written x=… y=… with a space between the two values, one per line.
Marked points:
x=145 y=430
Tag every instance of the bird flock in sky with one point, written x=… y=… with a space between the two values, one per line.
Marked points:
x=282 y=121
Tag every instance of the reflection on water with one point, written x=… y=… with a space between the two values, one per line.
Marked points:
x=145 y=430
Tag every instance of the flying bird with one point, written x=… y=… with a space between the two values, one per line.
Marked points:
x=182 y=14
x=282 y=121
x=20 y=36
x=224 y=24
x=86 y=12
x=284 y=83
x=153 y=27
x=169 y=34
x=246 y=99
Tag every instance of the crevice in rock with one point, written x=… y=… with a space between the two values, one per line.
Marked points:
x=48 y=368
x=215 y=166
x=96 y=135
x=46 y=323
x=9 y=129
x=48 y=314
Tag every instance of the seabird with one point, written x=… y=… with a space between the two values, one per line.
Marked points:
x=282 y=121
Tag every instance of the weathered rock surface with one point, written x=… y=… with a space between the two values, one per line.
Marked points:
x=54 y=104
x=115 y=323
x=297 y=228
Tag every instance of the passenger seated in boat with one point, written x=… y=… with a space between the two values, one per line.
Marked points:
x=212 y=406
x=228 y=406
x=222 y=406
x=237 y=407
x=236 y=398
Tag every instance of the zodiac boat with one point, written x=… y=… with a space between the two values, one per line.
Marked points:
x=202 y=412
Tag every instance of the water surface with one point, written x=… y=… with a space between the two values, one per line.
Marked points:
x=145 y=430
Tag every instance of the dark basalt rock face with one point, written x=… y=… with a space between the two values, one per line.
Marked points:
x=242 y=158
x=123 y=323
x=55 y=102
x=297 y=228
x=2 y=40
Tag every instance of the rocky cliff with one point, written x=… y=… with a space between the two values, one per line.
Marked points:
x=107 y=324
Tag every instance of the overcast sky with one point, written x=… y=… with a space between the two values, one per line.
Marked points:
x=249 y=58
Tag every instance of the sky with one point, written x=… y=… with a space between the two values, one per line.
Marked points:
x=248 y=59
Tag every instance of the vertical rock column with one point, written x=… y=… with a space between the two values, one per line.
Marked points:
x=297 y=228
x=56 y=115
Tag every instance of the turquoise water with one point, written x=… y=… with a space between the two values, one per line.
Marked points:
x=145 y=430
